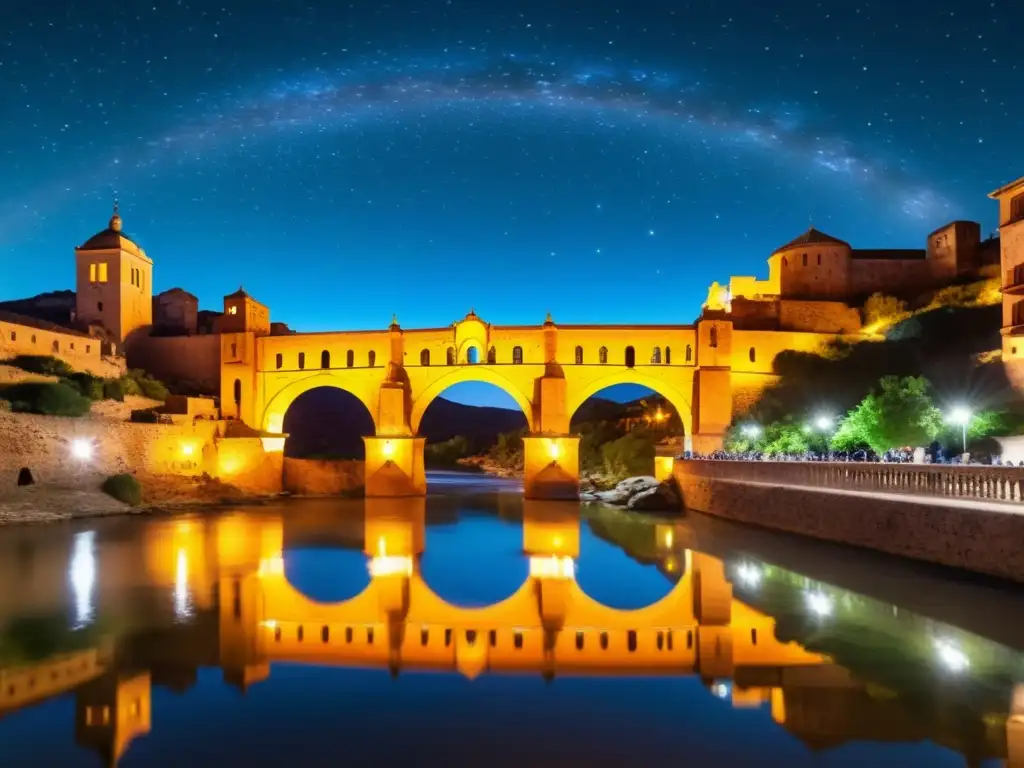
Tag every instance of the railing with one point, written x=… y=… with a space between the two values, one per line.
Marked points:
x=956 y=482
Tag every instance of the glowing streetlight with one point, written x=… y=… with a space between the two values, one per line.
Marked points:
x=81 y=449
x=749 y=574
x=961 y=417
x=751 y=430
x=554 y=450
x=819 y=603
x=824 y=423
x=951 y=656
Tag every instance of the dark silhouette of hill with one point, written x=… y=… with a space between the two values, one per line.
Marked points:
x=331 y=422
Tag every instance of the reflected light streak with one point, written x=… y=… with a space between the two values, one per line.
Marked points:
x=952 y=657
x=182 y=596
x=749 y=574
x=552 y=567
x=390 y=565
x=82 y=575
x=819 y=603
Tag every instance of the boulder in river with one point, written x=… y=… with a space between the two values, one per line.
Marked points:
x=661 y=497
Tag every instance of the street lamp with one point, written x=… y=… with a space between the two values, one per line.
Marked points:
x=824 y=425
x=962 y=417
x=751 y=430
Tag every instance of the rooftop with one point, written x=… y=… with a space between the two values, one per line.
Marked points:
x=35 y=322
x=812 y=237
x=1006 y=188
x=889 y=254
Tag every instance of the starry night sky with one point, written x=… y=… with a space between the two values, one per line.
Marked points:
x=602 y=160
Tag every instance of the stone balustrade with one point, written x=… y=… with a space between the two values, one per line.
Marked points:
x=988 y=483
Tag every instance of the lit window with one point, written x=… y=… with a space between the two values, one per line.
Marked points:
x=92 y=279
x=102 y=276
x=232 y=310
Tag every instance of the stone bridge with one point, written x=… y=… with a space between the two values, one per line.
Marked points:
x=548 y=370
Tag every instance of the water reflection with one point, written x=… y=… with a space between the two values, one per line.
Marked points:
x=154 y=602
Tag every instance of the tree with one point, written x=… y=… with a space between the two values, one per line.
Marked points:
x=900 y=414
x=884 y=311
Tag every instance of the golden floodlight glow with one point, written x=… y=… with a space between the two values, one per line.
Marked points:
x=272 y=566
x=669 y=538
x=273 y=444
x=554 y=449
x=187 y=449
x=552 y=567
x=269 y=624
x=390 y=565
x=389 y=449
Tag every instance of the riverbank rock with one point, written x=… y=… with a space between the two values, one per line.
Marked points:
x=642 y=493
x=661 y=497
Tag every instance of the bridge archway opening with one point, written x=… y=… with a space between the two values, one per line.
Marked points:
x=328 y=423
x=623 y=425
x=652 y=569
x=326 y=574
x=474 y=576
x=473 y=423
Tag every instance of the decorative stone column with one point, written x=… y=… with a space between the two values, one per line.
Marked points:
x=394 y=466
x=551 y=467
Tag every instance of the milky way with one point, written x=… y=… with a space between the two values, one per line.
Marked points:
x=609 y=98
x=510 y=85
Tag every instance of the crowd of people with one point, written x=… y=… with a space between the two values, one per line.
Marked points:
x=934 y=454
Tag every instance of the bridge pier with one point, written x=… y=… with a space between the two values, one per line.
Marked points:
x=394 y=466
x=551 y=467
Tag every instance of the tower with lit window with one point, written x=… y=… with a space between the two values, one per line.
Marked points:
x=113 y=282
x=243 y=322
x=1011 y=241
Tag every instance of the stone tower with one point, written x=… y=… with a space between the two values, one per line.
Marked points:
x=243 y=322
x=1011 y=243
x=113 y=282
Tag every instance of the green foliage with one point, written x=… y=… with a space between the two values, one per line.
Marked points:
x=41 y=364
x=123 y=487
x=48 y=399
x=446 y=454
x=630 y=455
x=780 y=437
x=145 y=416
x=88 y=385
x=593 y=435
x=900 y=414
x=113 y=389
x=507 y=453
x=882 y=310
x=138 y=382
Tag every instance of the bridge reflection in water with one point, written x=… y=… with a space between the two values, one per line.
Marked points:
x=234 y=607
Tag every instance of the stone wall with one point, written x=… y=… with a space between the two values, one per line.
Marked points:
x=818 y=317
x=913 y=527
x=83 y=353
x=322 y=477
x=190 y=361
x=889 y=276
x=46 y=446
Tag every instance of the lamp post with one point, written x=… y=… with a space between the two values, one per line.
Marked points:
x=751 y=431
x=824 y=424
x=962 y=417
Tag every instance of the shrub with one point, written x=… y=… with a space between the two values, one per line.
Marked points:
x=48 y=399
x=138 y=382
x=41 y=364
x=113 y=389
x=90 y=386
x=124 y=488
x=145 y=416
x=884 y=310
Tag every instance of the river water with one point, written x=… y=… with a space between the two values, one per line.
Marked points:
x=475 y=628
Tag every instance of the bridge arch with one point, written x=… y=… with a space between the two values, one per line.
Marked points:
x=273 y=415
x=460 y=375
x=679 y=399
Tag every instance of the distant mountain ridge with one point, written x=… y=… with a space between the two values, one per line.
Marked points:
x=327 y=422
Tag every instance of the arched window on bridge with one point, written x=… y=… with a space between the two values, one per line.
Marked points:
x=350 y=358
x=517 y=355
x=630 y=357
x=689 y=353
x=371 y=358
x=450 y=356
x=602 y=355
x=753 y=355
x=425 y=357
x=238 y=395
x=302 y=360
x=656 y=356
x=492 y=356
x=714 y=336
x=325 y=359
x=473 y=355
x=668 y=356
x=579 y=355
x=279 y=360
